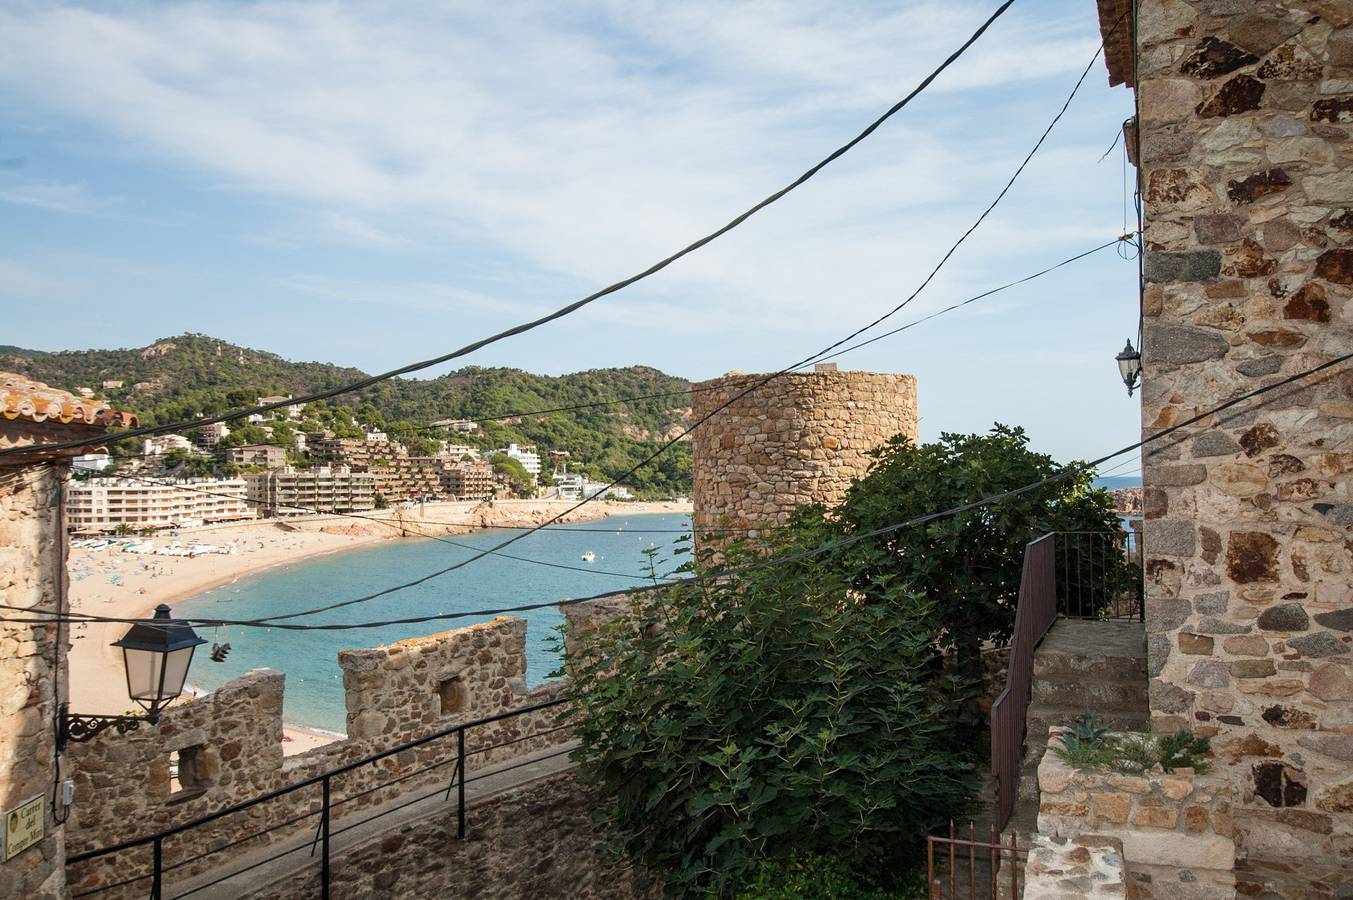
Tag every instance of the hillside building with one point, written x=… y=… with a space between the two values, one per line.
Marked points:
x=208 y=436
x=468 y=481
x=104 y=504
x=266 y=455
x=526 y=455
x=289 y=491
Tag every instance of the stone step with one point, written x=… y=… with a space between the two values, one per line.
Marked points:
x=1082 y=693
x=1090 y=665
x=1045 y=717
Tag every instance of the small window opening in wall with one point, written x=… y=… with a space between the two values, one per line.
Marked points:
x=452 y=694
x=186 y=773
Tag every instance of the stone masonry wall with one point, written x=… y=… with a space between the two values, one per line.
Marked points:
x=533 y=842
x=1060 y=868
x=799 y=439
x=1175 y=829
x=1247 y=167
x=394 y=694
x=32 y=573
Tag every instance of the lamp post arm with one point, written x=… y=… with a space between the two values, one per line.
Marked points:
x=79 y=727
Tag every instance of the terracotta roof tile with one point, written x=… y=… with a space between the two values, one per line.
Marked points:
x=33 y=401
x=1115 y=24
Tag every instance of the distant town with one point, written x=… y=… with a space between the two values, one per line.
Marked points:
x=284 y=464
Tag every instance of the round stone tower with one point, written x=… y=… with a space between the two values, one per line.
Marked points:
x=799 y=438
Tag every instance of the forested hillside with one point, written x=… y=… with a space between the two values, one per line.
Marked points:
x=191 y=375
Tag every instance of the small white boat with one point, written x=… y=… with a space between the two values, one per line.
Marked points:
x=588 y=556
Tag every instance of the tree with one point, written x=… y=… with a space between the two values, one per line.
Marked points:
x=968 y=564
x=242 y=435
x=820 y=706
x=736 y=720
x=523 y=485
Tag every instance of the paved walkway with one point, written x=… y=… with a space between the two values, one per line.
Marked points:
x=251 y=873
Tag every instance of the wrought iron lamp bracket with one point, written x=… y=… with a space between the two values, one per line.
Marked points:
x=79 y=727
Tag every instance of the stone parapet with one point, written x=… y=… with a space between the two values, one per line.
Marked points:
x=1175 y=829
x=223 y=748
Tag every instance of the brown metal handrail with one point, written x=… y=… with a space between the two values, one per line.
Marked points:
x=1034 y=615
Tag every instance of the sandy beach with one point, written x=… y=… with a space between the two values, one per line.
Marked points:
x=114 y=583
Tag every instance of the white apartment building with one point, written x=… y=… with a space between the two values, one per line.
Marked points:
x=289 y=491
x=92 y=462
x=459 y=451
x=527 y=456
x=102 y=504
x=163 y=443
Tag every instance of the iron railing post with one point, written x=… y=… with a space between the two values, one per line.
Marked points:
x=324 y=859
x=460 y=784
x=156 y=881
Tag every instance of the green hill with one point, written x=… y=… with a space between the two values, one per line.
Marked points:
x=192 y=375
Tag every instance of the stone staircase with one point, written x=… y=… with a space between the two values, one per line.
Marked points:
x=1080 y=665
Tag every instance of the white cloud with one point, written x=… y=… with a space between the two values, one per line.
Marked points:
x=53 y=196
x=574 y=145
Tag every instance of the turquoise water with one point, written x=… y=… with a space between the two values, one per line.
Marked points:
x=314 y=694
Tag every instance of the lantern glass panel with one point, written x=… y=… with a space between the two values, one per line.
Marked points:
x=143 y=674
x=1129 y=367
x=176 y=672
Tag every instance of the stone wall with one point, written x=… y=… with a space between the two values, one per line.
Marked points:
x=1247 y=167
x=394 y=694
x=32 y=577
x=533 y=842
x=799 y=439
x=1060 y=868
x=1175 y=829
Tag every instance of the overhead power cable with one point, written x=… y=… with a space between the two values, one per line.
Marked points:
x=575 y=529
x=755 y=385
x=564 y=310
x=832 y=546
x=636 y=398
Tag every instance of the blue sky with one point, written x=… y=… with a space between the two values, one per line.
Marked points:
x=371 y=183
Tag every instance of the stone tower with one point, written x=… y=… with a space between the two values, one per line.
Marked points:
x=799 y=438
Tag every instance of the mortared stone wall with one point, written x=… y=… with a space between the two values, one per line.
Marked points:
x=800 y=438
x=1247 y=166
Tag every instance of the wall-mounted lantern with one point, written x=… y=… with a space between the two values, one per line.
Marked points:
x=156 y=656
x=1130 y=367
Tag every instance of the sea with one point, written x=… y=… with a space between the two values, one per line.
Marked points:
x=314 y=692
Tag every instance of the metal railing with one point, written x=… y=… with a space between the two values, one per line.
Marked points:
x=320 y=843
x=1034 y=615
x=1077 y=574
x=969 y=867
x=1099 y=575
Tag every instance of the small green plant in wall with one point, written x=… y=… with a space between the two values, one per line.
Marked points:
x=1087 y=743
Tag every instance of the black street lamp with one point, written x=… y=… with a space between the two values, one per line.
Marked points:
x=1130 y=367
x=156 y=656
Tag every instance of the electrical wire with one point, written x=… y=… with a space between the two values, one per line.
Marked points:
x=833 y=347
x=575 y=529
x=1066 y=472
x=697 y=390
x=755 y=385
x=564 y=310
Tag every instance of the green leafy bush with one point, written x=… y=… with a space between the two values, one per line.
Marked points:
x=819 y=877
x=733 y=721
